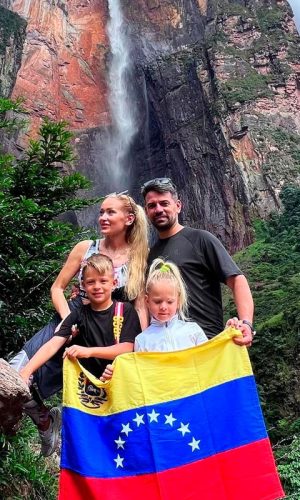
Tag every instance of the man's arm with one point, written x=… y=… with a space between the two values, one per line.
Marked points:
x=245 y=307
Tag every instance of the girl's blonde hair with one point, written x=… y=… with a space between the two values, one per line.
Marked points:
x=166 y=270
x=101 y=263
x=137 y=238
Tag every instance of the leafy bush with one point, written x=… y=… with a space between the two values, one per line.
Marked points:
x=34 y=192
x=288 y=457
x=272 y=266
x=23 y=473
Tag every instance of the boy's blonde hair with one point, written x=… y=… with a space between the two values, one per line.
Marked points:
x=137 y=238
x=166 y=270
x=101 y=263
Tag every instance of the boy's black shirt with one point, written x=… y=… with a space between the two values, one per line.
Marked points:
x=96 y=330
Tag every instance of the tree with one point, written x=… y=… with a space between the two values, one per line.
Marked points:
x=34 y=191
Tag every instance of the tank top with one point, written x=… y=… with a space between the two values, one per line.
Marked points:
x=120 y=273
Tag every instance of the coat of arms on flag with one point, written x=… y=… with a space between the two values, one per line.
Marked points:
x=179 y=425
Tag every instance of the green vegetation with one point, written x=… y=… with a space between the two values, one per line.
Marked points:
x=34 y=192
x=23 y=473
x=283 y=161
x=272 y=266
x=270 y=18
x=245 y=89
x=267 y=37
x=34 y=241
x=288 y=457
x=288 y=142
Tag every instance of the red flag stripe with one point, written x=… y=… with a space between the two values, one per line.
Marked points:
x=244 y=473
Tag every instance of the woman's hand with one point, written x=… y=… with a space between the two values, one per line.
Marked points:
x=76 y=351
x=107 y=374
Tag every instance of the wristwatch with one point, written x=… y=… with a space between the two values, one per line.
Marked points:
x=246 y=322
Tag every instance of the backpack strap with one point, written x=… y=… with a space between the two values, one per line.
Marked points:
x=118 y=320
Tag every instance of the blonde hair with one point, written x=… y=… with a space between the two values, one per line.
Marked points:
x=137 y=238
x=101 y=263
x=166 y=270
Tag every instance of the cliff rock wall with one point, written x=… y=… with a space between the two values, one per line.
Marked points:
x=12 y=37
x=62 y=73
x=216 y=85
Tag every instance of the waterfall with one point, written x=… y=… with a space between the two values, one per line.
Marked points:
x=124 y=125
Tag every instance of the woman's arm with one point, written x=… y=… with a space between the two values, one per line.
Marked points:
x=70 y=268
x=109 y=352
x=142 y=310
x=43 y=354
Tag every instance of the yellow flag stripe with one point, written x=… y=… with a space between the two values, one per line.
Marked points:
x=158 y=377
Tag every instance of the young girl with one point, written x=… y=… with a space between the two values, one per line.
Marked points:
x=166 y=299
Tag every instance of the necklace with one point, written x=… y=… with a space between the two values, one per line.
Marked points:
x=119 y=254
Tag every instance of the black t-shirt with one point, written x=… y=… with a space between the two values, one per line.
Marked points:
x=204 y=264
x=96 y=330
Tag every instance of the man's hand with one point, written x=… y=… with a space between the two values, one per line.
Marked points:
x=107 y=374
x=76 y=351
x=247 y=337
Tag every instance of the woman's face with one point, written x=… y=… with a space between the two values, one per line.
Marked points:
x=113 y=219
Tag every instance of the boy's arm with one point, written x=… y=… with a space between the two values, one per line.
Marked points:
x=108 y=352
x=43 y=354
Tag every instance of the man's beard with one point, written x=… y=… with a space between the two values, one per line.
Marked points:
x=164 y=225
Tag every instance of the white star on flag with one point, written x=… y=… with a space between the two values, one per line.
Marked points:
x=138 y=419
x=170 y=419
x=194 y=444
x=120 y=443
x=153 y=416
x=119 y=461
x=126 y=429
x=183 y=428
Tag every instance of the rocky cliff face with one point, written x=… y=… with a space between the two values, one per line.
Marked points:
x=217 y=89
x=12 y=37
x=62 y=74
x=254 y=53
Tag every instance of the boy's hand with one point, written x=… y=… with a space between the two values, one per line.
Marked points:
x=25 y=376
x=77 y=351
x=107 y=374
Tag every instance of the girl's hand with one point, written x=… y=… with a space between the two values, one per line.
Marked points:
x=76 y=351
x=107 y=374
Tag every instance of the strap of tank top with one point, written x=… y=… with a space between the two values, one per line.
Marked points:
x=118 y=320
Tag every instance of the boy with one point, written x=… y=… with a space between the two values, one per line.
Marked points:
x=102 y=333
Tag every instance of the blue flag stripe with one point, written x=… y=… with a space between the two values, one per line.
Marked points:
x=163 y=436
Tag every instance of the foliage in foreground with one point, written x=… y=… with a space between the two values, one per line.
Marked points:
x=23 y=472
x=272 y=266
x=34 y=192
x=288 y=457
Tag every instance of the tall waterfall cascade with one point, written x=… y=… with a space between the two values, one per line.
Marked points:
x=124 y=126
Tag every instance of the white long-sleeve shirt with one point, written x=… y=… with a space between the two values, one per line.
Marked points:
x=172 y=335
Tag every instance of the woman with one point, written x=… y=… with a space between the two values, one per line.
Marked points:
x=125 y=240
x=124 y=227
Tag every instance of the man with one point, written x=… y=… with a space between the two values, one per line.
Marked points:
x=203 y=262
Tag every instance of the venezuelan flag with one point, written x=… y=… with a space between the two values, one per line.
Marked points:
x=184 y=425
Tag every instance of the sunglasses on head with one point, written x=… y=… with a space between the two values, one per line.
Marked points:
x=157 y=183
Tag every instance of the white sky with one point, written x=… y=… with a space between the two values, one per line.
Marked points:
x=295 y=4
